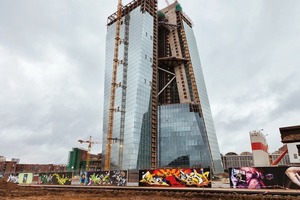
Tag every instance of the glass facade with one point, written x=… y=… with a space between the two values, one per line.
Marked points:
x=209 y=124
x=138 y=89
x=182 y=141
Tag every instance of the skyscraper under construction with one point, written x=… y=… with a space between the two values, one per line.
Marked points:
x=156 y=108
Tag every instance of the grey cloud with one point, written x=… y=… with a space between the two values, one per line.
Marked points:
x=249 y=55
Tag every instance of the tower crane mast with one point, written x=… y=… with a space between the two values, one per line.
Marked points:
x=113 y=88
x=88 y=157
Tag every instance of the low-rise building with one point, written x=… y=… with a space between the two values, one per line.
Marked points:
x=78 y=159
x=7 y=168
x=245 y=159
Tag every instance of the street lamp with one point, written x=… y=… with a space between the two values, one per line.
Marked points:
x=72 y=168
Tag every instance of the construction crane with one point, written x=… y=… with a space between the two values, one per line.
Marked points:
x=113 y=88
x=90 y=142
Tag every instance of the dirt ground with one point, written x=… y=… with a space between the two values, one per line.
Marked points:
x=13 y=191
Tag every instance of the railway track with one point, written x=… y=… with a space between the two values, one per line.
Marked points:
x=168 y=190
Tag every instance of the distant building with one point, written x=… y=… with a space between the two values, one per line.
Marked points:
x=2 y=158
x=259 y=149
x=284 y=161
x=291 y=136
x=245 y=159
x=78 y=159
x=232 y=159
x=7 y=168
x=40 y=168
x=16 y=160
x=13 y=168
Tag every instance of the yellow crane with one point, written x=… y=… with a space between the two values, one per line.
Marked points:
x=113 y=88
x=88 y=156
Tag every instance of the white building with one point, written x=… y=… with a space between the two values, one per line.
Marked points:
x=259 y=149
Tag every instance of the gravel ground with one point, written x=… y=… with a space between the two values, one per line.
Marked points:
x=13 y=191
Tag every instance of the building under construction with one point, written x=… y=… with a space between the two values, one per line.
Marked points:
x=156 y=108
x=82 y=160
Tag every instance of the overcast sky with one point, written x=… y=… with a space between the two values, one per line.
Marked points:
x=52 y=56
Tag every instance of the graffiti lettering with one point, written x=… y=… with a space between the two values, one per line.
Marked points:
x=175 y=178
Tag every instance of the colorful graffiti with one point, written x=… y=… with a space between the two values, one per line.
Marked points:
x=175 y=177
x=25 y=178
x=59 y=178
x=113 y=178
x=265 y=177
x=13 y=178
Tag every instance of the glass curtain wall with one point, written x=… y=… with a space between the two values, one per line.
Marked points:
x=138 y=90
x=209 y=124
x=181 y=137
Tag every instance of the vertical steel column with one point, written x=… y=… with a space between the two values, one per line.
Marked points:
x=124 y=86
x=154 y=89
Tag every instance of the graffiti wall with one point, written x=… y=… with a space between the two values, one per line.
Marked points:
x=25 y=178
x=58 y=178
x=265 y=177
x=184 y=177
x=13 y=178
x=108 y=178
